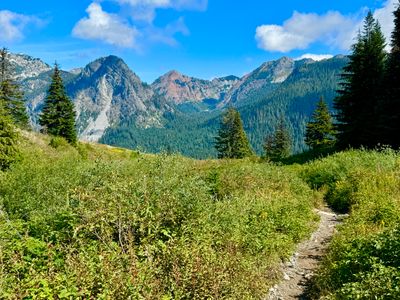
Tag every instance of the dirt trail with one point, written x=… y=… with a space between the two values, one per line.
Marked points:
x=298 y=271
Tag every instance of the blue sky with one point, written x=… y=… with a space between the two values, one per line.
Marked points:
x=199 y=38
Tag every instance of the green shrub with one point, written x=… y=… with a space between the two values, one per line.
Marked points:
x=117 y=225
x=58 y=142
x=363 y=261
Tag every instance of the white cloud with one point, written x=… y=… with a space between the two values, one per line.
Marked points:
x=12 y=25
x=385 y=17
x=301 y=30
x=109 y=28
x=332 y=29
x=145 y=10
x=316 y=57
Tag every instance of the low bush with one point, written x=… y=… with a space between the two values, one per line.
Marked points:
x=114 y=224
x=363 y=261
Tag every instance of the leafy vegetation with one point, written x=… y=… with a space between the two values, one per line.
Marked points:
x=101 y=222
x=363 y=260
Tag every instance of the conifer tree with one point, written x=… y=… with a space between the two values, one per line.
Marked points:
x=8 y=139
x=278 y=145
x=361 y=89
x=390 y=112
x=320 y=132
x=232 y=141
x=11 y=94
x=58 y=115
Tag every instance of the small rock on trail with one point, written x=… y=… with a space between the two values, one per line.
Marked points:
x=297 y=272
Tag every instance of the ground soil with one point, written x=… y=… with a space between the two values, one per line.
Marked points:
x=299 y=270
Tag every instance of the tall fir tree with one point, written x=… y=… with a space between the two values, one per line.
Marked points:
x=390 y=110
x=58 y=115
x=232 y=141
x=361 y=89
x=320 y=132
x=11 y=94
x=8 y=139
x=278 y=145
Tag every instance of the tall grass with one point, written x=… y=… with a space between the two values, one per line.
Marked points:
x=105 y=223
x=364 y=258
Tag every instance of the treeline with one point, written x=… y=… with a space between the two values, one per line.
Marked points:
x=367 y=105
x=56 y=119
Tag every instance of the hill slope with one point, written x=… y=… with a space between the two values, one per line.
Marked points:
x=102 y=222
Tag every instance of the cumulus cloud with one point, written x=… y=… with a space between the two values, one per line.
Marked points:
x=301 y=30
x=109 y=28
x=12 y=25
x=332 y=29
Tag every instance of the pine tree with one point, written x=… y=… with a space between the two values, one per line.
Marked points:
x=361 y=89
x=278 y=145
x=390 y=111
x=320 y=132
x=58 y=115
x=232 y=141
x=8 y=139
x=11 y=94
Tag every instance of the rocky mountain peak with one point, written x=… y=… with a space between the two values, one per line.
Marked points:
x=108 y=64
x=26 y=66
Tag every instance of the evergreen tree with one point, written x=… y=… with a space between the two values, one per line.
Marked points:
x=320 y=132
x=390 y=112
x=232 y=141
x=58 y=115
x=8 y=139
x=11 y=94
x=361 y=89
x=278 y=145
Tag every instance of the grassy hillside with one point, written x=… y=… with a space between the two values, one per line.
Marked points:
x=106 y=223
x=97 y=222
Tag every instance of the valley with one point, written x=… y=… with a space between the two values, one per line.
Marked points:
x=179 y=113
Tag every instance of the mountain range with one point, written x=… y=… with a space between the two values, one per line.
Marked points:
x=180 y=113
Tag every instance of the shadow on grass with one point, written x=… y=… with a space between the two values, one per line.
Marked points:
x=306 y=156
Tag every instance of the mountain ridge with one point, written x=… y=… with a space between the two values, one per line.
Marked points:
x=108 y=94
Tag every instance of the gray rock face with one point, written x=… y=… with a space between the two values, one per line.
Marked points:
x=178 y=88
x=105 y=92
x=266 y=76
x=27 y=67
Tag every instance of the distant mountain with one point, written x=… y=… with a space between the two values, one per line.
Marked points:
x=107 y=92
x=282 y=88
x=178 y=112
x=268 y=76
x=178 y=88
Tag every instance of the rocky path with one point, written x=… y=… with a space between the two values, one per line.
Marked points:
x=298 y=271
